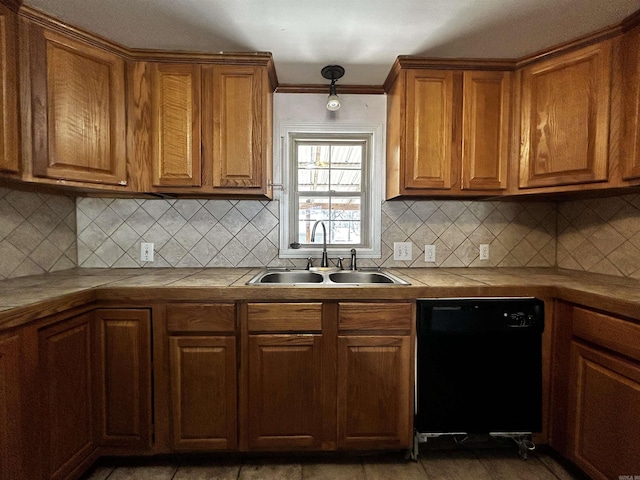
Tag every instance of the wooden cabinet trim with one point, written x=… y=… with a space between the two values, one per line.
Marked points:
x=201 y=317
x=285 y=317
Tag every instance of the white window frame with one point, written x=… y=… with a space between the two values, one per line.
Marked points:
x=374 y=183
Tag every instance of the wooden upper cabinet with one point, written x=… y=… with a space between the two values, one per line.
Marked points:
x=630 y=147
x=209 y=128
x=429 y=129
x=9 y=123
x=448 y=131
x=175 y=98
x=237 y=128
x=565 y=118
x=485 y=136
x=78 y=109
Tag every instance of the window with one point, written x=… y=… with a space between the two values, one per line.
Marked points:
x=329 y=188
x=330 y=177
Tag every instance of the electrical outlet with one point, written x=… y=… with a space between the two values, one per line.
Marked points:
x=402 y=251
x=430 y=253
x=146 y=252
x=484 y=251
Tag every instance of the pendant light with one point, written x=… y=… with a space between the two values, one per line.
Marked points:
x=333 y=73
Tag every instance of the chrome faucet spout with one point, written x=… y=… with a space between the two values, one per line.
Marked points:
x=325 y=257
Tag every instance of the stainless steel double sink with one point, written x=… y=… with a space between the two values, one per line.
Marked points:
x=325 y=277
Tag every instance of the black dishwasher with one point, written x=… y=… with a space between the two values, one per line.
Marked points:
x=479 y=366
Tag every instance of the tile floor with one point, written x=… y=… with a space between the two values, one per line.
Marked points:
x=476 y=464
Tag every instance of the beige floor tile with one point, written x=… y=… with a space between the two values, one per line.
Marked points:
x=271 y=471
x=506 y=467
x=101 y=472
x=453 y=465
x=334 y=470
x=393 y=469
x=147 y=472
x=207 y=472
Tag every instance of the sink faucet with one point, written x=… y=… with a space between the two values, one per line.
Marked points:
x=325 y=258
x=353 y=259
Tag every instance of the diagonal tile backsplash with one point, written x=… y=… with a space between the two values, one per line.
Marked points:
x=600 y=235
x=222 y=233
x=41 y=233
x=185 y=233
x=37 y=233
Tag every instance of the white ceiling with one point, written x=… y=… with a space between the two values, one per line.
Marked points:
x=364 y=36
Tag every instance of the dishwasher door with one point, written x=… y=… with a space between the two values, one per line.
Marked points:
x=479 y=365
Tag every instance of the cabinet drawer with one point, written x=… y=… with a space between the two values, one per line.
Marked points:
x=201 y=317
x=614 y=333
x=375 y=316
x=283 y=317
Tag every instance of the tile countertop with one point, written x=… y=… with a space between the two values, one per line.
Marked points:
x=25 y=299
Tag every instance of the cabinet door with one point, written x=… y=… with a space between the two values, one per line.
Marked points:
x=65 y=383
x=11 y=451
x=122 y=356
x=285 y=392
x=78 y=103
x=485 y=140
x=429 y=130
x=374 y=392
x=565 y=118
x=630 y=148
x=203 y=392
x=605 y=413
x=9 y=124
x=175 y=94
x=236 y=127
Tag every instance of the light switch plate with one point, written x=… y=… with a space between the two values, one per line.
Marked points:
x=430 y=253
x=402 y=251
x=146 y=252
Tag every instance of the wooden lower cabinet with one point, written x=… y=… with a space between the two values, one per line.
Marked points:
x=285 y=392
x=605 y=412
x=202 y=371
x=203 y=392
x=11 y=456
x=122 y=377
x=64 y=369
x=374 y=392
x=595 y=391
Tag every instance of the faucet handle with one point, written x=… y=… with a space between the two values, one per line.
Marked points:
x=309 y=263
x=340 y=263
